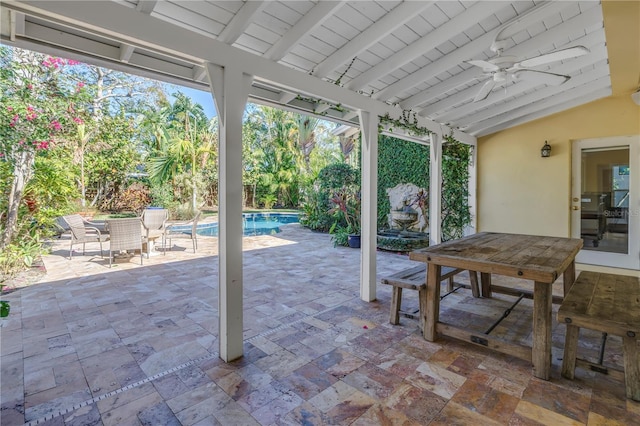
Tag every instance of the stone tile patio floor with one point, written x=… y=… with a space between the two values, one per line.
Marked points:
x=137 y=345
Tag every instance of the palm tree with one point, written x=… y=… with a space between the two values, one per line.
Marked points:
x=153 y=125
x=83 y=139
x=306 y=137
x=189 y=143
x=280 y=171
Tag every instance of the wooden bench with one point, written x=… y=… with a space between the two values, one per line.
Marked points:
x=415 y=279
x=610 y=304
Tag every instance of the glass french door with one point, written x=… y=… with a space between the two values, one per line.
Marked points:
x=605 y=200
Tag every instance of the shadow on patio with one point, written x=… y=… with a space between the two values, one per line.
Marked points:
x=138 y=345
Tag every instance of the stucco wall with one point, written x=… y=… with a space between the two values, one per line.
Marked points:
x=519 y=191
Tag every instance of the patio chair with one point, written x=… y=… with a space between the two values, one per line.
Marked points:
x=155 y=223
x=82 y=232
x=126 y=234
x=172 y=232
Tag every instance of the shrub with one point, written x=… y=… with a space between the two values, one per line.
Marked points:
x=20 y=253
x=340 y=234
x=182 y=212
x=337 y=175
x=162 y=195
x=316 y=209
x=314 y=212
x=268 y=200
x=135 y=198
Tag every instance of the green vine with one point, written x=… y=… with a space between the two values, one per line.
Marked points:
x=456 y=214
x=408 y=121
x=314 y=101
x=339 y=80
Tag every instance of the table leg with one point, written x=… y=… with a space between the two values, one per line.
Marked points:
x=396 y=302
x=569 y=276
x=422 y=297
x=473 y=278
x=485 y=280
x=570 y=351
x=541 y=350
x=631 y=367
x=432 y=311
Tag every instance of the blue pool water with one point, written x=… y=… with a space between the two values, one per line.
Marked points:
x=254 y=224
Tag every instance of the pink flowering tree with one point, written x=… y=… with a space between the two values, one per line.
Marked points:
x=36 y=112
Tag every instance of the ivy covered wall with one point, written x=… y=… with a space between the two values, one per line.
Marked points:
x=456 y=213
x=399 y=161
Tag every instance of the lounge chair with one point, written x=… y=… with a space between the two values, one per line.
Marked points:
x=126 y=234
x=83 y=232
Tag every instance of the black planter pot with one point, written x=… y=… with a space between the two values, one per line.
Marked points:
x=353 y=241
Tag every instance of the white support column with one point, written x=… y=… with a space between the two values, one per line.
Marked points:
x=369 y=196
x=435 y=189
x=230 y=88
x=472 y=228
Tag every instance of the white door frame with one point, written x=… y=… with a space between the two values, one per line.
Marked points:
x=631 y=260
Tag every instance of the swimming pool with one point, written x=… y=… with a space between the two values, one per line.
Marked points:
x=254 y=224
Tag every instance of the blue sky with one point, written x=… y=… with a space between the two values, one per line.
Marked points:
x=198 y=96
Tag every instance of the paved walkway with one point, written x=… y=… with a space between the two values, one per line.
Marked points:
x=137 y=345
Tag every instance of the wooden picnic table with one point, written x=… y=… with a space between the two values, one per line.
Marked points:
x=540 y=259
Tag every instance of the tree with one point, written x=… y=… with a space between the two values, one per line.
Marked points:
x=275 y=134
x=106 y=95
x=83 y=138
x=112 y=159
x=36 y=111
x=347 y=143
x=191 y=141
x=306 y=137
x=153 y=124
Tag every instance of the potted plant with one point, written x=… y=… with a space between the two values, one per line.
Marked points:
x=346 y=210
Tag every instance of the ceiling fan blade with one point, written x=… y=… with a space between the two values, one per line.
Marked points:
x=485 y=65
x=541 y=77
x=558 y=55
x=485 y=90
x=519 y=23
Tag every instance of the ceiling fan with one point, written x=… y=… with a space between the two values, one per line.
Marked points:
x=501 y=68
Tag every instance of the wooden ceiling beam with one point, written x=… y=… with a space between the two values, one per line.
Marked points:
x=397 y=17
x=126 y=50
x=241 y=20
x=443 y=33
x=466 y=52
x=310 y=21
x=146 y=6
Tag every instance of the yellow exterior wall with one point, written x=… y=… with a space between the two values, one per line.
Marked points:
x=520 y=192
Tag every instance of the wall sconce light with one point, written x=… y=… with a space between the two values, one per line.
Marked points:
x=546 y=150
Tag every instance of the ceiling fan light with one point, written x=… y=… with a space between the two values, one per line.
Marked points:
x=500 y=76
